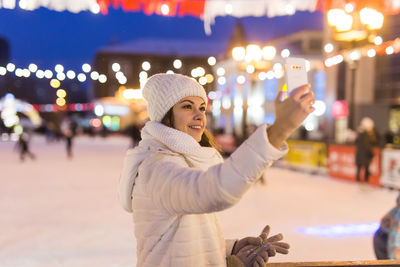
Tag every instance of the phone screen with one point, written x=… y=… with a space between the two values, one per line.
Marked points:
x=296 y=73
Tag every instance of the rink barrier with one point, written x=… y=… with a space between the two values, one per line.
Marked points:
x=338 y=161
x=337 y=263
x=308 y=156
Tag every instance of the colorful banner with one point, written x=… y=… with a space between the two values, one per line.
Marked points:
x=391 y=168
x=159 y=7
x=341 y=163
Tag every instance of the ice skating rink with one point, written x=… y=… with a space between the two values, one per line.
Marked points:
x=60 y=212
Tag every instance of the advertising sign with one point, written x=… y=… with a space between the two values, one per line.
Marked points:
x=341 y=164
x=340 y=109
x=391 y=168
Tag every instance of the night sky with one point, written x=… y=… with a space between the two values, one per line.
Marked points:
x=48 y=37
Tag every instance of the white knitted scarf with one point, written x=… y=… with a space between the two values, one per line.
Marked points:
x=158 y=138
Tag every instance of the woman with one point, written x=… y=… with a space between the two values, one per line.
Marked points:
x=174 y=180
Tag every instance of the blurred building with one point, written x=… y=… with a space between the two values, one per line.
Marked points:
x=4 y=51
x=129 y=64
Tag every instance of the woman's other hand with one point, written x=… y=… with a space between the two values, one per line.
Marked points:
x=273 y=244
x=255 y=251
x=253 y=256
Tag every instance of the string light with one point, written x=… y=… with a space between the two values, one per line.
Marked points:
x=221 y=80
x=48 y=74
x=212 y=61
x=268 y=52
x=165 y=9
x=71 y=74
x=3 y=71
x=102 y=78
x=10 y=67
x=146 y=65
x=378 y=40
x=285 y=53
x=26 y=73
x=60 y=101
x=220 y=71
x=60 y=76
x=116 y=67
x=61 y=93
x=18 y=72
x=81 y=77
x=371 y=52
x=389 y=50
x=40 y=74
x=241 y=79
x=32 y=67
x=59 y=68
x=94 y=75
x=328 y=48
x=86 y=67
x=228 y=9
x=177 y=64
x=250 y=69
x=55 y=83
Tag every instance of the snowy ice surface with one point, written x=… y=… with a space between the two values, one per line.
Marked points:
x=60 y=212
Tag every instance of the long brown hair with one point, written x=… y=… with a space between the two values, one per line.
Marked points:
x=207 y=139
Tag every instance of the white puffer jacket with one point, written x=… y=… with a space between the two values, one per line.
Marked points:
x=174 y=186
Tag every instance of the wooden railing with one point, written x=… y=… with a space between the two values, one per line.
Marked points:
x=337 y=263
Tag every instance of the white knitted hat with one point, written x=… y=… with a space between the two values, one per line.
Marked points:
x=163 y=91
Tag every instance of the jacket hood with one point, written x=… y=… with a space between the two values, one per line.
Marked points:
x=134 y=157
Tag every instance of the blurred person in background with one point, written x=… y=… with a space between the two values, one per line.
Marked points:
x=225 y=142
x=388 y=138
x=133 y=131
x=68 y=129
x=387 y=238
x=23 y=145
x=68 y=135
x=175 y=180
x=49 y=128
x=366 y=139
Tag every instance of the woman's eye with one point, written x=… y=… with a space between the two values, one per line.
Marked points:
x=203 y=109
x=187 y=106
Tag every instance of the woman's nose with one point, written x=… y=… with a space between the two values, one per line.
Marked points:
x=199 y=114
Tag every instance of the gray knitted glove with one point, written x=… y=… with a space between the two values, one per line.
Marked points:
x=272 y=244
x=234 y=261
x=255 y=251
x=252 y=256
x=251 y=252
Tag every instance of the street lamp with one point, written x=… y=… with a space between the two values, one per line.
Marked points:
x=351 y=28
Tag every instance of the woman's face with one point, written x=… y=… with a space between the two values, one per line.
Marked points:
x=190 y=116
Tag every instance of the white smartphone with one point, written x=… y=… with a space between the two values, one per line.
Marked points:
x=296 y=73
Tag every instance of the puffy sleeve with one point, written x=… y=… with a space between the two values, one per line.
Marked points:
x=183 y=190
